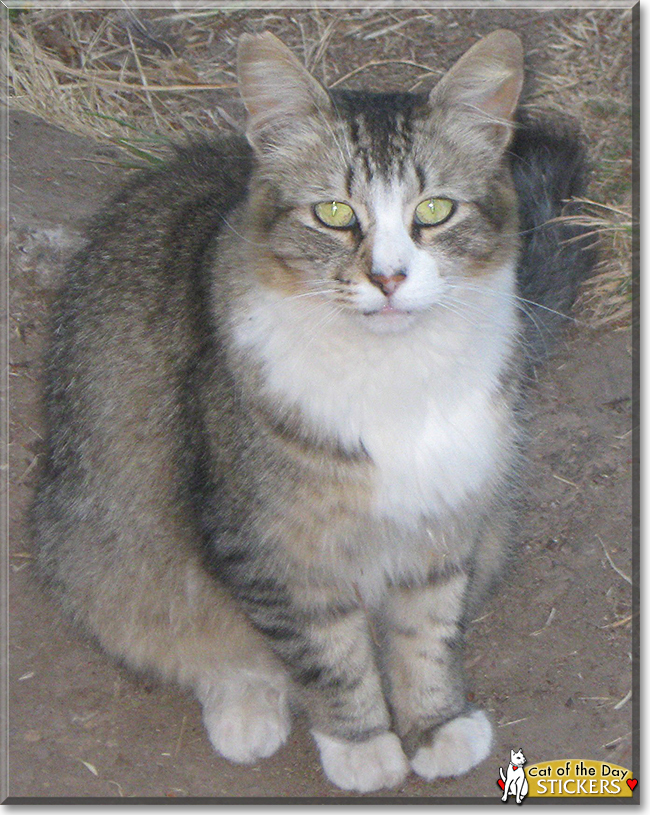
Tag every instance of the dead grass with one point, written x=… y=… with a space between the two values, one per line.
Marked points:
x=141 y=78
x=84 y=73
x=594 y=53
x=606 y=299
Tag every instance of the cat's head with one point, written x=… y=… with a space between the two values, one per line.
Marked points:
x=517 y=758
x=382 y=204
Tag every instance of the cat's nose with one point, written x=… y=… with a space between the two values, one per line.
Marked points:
x=387 y=283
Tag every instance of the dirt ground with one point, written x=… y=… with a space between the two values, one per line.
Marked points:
x=551 y=656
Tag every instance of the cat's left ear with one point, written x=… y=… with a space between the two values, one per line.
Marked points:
x=486 y=82
x=277 y=90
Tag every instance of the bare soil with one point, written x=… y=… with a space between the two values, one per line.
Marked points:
x=550 y=657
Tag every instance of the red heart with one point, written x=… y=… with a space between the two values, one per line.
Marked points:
x=631 y=782
x=503 y=786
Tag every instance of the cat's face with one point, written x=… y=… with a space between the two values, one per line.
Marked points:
x=381 y=205
x=517 y=758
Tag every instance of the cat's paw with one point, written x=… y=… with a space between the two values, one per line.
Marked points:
x=246 y=720
x=363 y=766
x=455 y=748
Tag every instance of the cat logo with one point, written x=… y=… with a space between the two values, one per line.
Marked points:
x=514 y=781
x=560 y=778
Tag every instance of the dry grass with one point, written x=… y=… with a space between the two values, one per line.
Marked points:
x=140 y=78
x=84 y=72
x=595 y=55
x=606 y=298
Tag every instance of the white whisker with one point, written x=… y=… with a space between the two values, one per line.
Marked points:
x=317 y=293
x=518 y=299
x=520 y=303
x=227 y=223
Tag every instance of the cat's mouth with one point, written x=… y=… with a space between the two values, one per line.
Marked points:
x=388 y=318
x=388 y=308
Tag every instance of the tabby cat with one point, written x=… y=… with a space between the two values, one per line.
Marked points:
x=282 y=403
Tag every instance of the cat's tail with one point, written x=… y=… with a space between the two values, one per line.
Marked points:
x=549 y=168
x=503 y=778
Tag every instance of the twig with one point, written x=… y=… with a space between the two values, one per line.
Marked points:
x=625 y=699
x=119 y=787
x=565 y=481
x=180 y=738
x=612 y=564
x=549 y=620
x=375 y=63
x=127 y=86
x=143 y=78
x=619 y=622
x=516 y=721
x=613 y=743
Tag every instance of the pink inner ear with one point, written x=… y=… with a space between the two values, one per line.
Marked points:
x=503 y=102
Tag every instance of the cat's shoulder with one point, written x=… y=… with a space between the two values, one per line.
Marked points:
x=191 y=166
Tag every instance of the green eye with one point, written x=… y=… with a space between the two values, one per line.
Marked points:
x=433 y=211
x=335 y=214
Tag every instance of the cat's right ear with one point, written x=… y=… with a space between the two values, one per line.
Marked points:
x=276 y=89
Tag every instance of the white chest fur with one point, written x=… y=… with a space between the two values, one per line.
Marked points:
x=420 y=401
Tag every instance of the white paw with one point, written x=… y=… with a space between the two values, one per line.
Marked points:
x=246 y=719
x=363 y=766
x=456 y=747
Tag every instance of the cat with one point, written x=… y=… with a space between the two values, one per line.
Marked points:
x=515 y=779
x=283 y=397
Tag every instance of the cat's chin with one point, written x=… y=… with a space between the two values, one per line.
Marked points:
x=388 y=320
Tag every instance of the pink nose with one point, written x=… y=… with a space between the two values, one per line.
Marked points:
x=388 y=284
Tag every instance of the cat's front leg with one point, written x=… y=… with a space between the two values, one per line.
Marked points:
x=440 y=733
x=343 y=694
x=351 y=720
x=330 y=657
